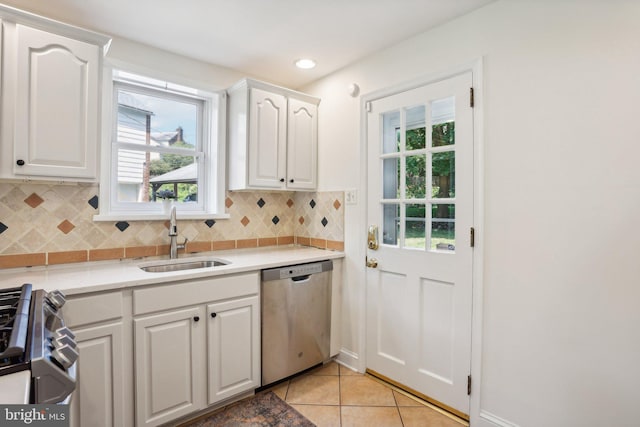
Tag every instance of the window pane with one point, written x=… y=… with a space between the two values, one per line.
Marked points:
x=390 y=181
x=156 y=121
x=391 y=224
x=415 y=236
x=416 y=180
x=390 y=135
x=416 y=137
x=145 y=176
x=443 y=116
x=443 y=179
x=443 y=227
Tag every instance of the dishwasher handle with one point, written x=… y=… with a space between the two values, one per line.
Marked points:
x=298 y=280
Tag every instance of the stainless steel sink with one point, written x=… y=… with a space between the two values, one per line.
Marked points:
x=183 y=265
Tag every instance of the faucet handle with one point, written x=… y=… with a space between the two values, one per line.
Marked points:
x=183 y=245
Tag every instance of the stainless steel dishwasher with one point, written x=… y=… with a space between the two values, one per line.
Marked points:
x=296 y=319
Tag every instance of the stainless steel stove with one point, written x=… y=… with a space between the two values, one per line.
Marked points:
x=34 y=338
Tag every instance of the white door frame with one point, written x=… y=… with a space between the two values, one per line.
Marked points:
x=476 y=68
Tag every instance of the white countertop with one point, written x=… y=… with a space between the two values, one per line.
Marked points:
x=108 y=275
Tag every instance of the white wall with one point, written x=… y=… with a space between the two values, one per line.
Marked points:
x=560 y=343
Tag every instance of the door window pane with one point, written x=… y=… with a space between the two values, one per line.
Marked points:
x=443 y=169
x=443 y=227
x=443 y=122
x=416 y=180
x=390 y=178
x=391 y=223
x=390 y=136
x=415 y=125
x=414 y=236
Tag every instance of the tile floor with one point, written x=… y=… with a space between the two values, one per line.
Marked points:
x=335 y=396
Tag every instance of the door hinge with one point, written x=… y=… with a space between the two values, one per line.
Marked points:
x=469 y=385
x=367 y=105
x=471 y=98
x=472 y=237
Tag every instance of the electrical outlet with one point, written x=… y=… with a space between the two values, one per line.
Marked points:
x=351 y=196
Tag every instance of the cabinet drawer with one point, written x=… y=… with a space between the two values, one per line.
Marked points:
x=93 y=309
x=192 y=292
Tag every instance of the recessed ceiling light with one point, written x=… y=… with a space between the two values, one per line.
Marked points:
x=305 y=63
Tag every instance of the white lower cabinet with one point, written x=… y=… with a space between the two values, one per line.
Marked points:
x=233 y=340
x=196 y=343
x=104 y=385
x=170 y=363
x=98 y=399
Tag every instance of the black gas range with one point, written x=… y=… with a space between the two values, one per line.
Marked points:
x=34 y=338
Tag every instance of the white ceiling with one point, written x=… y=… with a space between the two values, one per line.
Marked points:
x=259 y=37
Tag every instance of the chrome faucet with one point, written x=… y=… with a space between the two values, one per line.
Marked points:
x=173 y=235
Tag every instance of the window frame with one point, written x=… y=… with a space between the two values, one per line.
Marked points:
x=210 y=157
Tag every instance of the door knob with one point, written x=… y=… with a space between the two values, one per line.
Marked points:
x=372 y=263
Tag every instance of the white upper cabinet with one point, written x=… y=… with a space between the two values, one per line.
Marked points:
x=273 y=138
x=302 y=150
x=52 y=80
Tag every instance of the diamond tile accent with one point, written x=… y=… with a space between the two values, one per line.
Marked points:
x=301 y=220
x=312 y=203
x=245 y=221
x=337 y=204
x=228 y=202
x=122 y=225
x=261 y=202
x=93 y=202
x=210 y=223
x=324 y=221
x=34 y=200
x=3 y=228
x=289 y=202
x=275 y=219
x=66 y=226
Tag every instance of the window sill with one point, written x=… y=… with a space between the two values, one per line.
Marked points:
x=157 y=217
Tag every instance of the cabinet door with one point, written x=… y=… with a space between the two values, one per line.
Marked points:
x=170 y=365
x=234 y=347
x=56 y=118
x=302 y=145
x=267 y=139
x=100 y=393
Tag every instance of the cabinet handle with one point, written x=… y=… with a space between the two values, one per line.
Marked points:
x=196 y=318
x=281 y=179
x=20 y=162
x=213 y=315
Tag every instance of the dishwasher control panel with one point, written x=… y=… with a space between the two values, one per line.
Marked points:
x=297 y=270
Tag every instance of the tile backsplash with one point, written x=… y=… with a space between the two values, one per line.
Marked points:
x=53 y=223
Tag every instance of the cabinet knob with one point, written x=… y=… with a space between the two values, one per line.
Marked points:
x=291 y=180
x=281 y=179
x=213 y=315
x=196 y=318
x=20 y=162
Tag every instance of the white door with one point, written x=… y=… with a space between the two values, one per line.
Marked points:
x=302 y=145
x=234 y=347
x=56 y=128
x=99 y=397
x=267 y=139
x=420 y=196
x=170 y=365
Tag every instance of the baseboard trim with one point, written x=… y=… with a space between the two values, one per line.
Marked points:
x=494 y=420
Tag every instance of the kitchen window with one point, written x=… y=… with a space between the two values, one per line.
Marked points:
x=165 y=147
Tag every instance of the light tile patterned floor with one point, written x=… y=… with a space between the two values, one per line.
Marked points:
x=334 y=396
